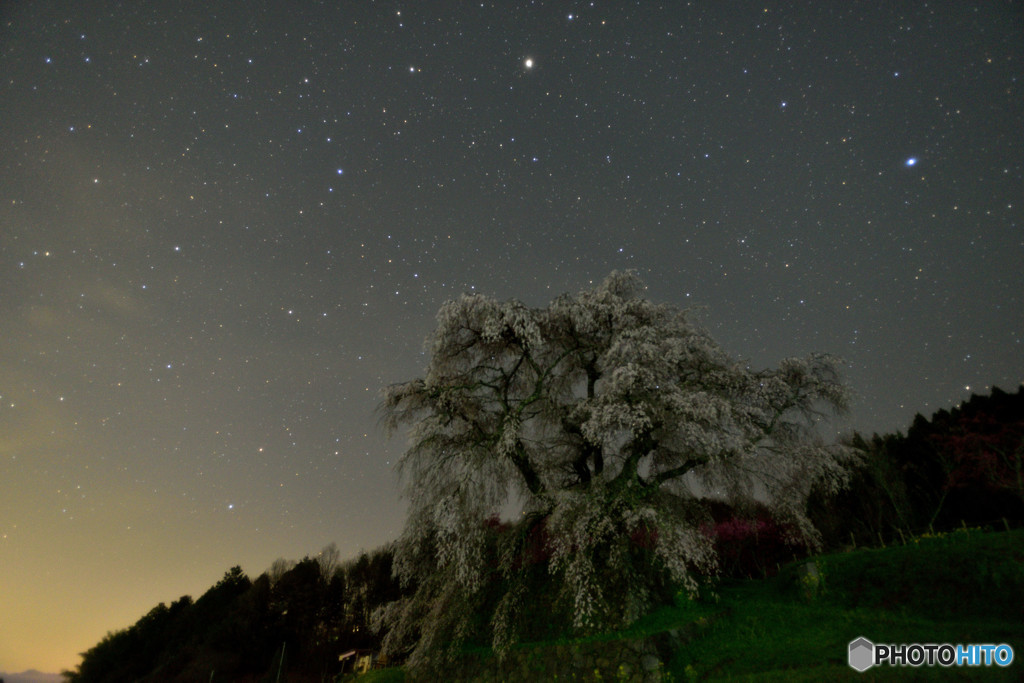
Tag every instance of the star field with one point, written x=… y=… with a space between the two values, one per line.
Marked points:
x=225 y=226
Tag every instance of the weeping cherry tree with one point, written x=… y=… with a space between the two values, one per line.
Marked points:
x=608 y=421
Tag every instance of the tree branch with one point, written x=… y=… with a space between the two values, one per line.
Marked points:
x=673 y=473
x=526 y=469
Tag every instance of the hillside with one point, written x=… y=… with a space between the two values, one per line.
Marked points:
x=30 y=676
x=962 y=587
x=960 y=469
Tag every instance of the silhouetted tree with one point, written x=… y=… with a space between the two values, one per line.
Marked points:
x=296 y=600
x=278 y=568
x=964 y=465
x=875 y=501
x=330 y=559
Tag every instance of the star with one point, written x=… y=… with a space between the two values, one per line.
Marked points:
x=153 y=263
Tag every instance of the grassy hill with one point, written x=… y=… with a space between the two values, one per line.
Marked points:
x=961 y=588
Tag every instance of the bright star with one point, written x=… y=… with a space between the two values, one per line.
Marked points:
x=910 y=161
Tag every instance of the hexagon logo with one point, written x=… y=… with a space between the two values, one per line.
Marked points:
x=862 y=654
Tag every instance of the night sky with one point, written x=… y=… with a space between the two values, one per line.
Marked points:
x=224 y=227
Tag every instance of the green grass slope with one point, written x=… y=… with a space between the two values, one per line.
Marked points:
x=963 y=587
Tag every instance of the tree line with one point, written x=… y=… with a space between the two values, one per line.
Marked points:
x=643 y=461
x=964 y=465
x=296 y=618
